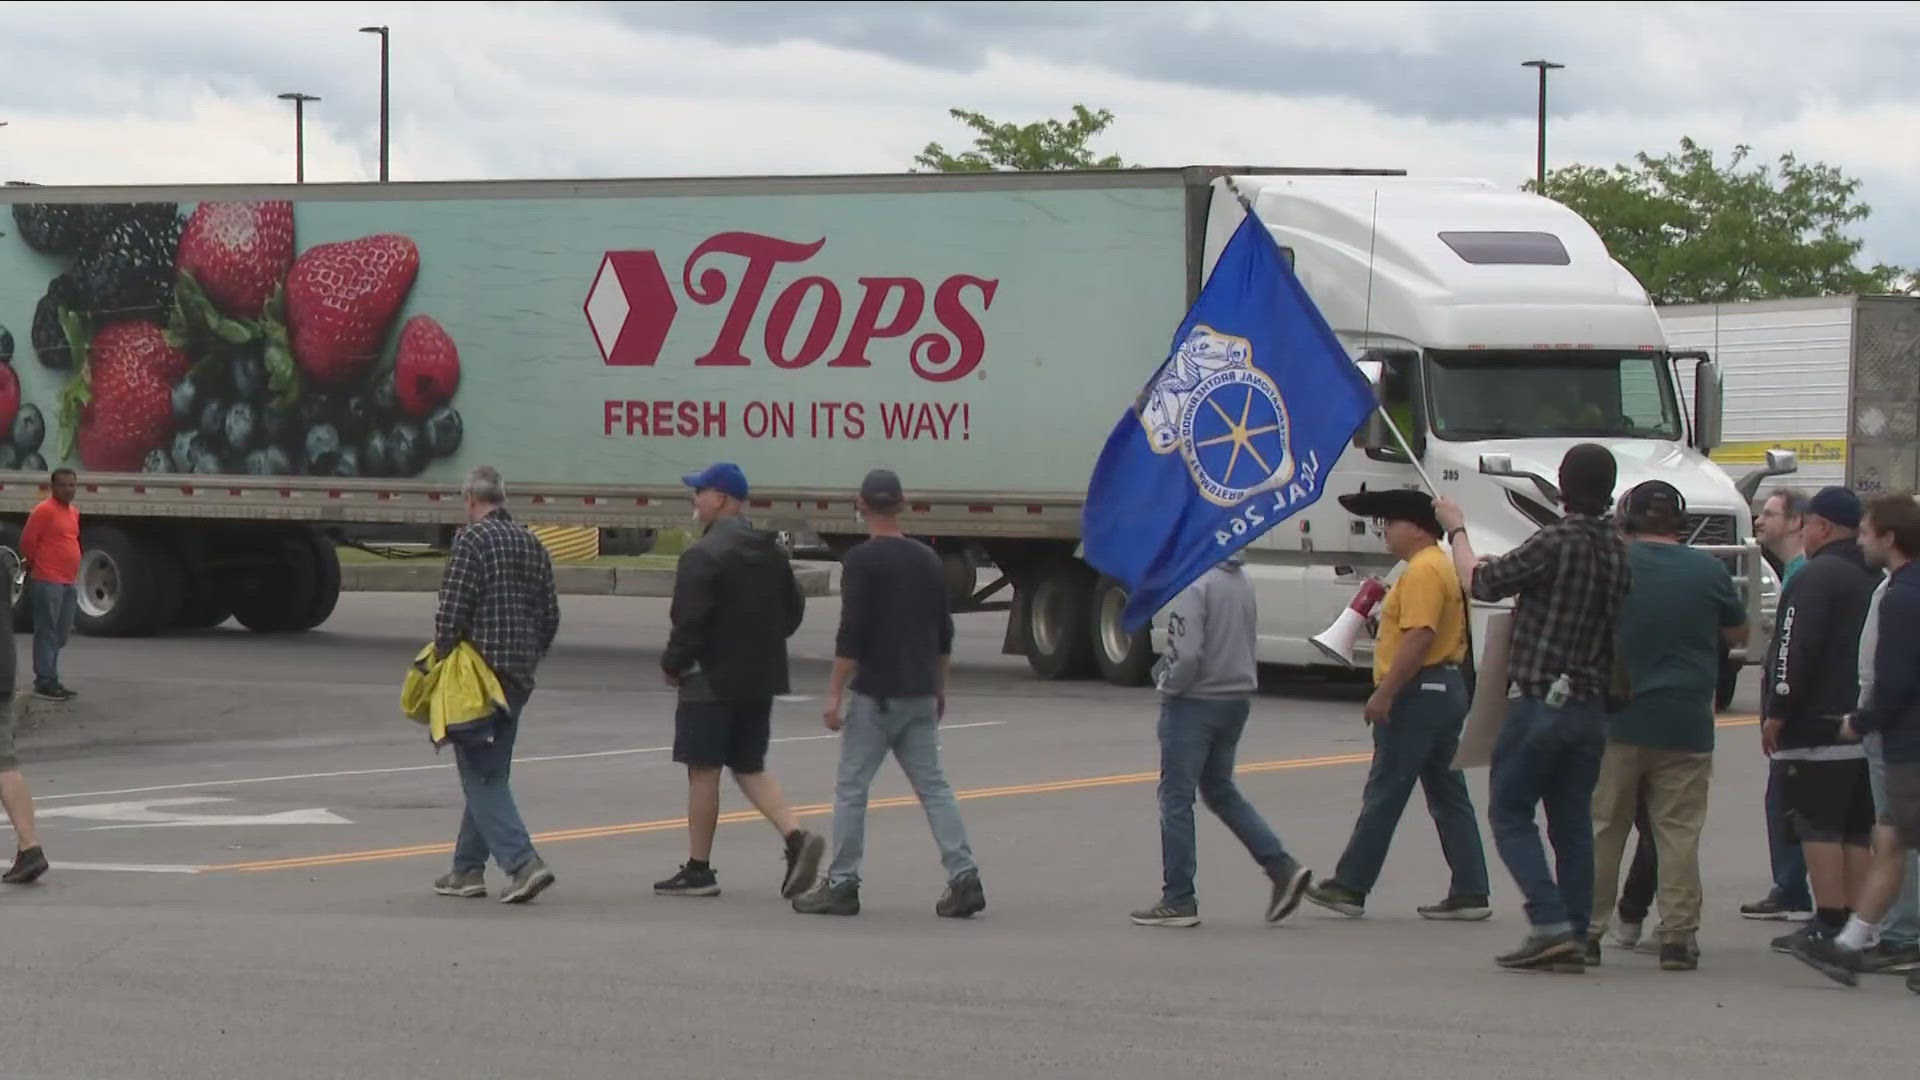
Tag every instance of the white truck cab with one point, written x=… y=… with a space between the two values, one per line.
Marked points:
x=1498 y=332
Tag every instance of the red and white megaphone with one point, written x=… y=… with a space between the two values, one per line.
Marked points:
x=1336 y=641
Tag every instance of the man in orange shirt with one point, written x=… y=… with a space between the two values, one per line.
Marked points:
x=50 y=545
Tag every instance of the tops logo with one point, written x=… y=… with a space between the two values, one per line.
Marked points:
x=631 y=308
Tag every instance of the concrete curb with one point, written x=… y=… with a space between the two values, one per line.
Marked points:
x=409 y=576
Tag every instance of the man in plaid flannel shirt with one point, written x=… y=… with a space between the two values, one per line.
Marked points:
x=1570 y=580
x=498 y=594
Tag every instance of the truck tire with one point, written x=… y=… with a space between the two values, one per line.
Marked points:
x=326 y=580
x=1124 y=659
x=961 y=576
x=276 y=592
x=127 y=588
x=1060 y=645
x=204 y=604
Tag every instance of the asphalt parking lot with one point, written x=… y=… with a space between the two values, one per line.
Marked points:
x=243 y=830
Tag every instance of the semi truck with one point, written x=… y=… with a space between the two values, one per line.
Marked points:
x=244 y=374
x=1835 y=379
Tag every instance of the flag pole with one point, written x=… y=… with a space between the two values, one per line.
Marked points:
x=1405 y=447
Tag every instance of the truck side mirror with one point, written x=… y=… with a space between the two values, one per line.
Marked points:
x=1779 y=463
x=1708 y=400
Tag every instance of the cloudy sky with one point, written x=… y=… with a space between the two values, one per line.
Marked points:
x=154 y=92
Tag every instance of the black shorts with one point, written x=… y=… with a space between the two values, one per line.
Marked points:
x=1827 y=802
x=1903 y=802
x=723 y=734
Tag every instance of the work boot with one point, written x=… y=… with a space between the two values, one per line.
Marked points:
x=27 y=867
x=1680 y=955
x=830 y=899
x=963 y=899
x=466 y=884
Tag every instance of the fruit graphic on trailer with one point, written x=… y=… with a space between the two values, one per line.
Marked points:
x=9 y=397
x=132 y=370
x=341 y=300
x=238 y=253
x=426 y=369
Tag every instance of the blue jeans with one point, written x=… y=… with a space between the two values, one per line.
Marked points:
x=1902 y=924
x=1198 y=737
x=1548 y=757
x=1417 y=745
x=909 y=729
x=491 y=823
x=53 y=609
x=1789 y=862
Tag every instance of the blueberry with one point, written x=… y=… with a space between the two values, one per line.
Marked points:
x=33 y=463
x=29 y=429
x=6 y=345
x=349 y=463
x=242 y=429
x=207 y=462
x=213 y=421
x=278 y=426
x=444 y=431
x=316 y=409
x=186 y=402
x=157 y=461
x=376 y=454
x=356 y=417
x=271 y=461
x=9 y=457
x=322 y=450
x=408 y=449
x=187 y=446
x=249 y=374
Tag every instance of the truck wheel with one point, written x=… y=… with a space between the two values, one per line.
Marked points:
x=326 y=580
x=1060 y=646
x=1124 y=659
x=277 y=590
x=204 y=606
x=961 y=576
x=127 y=589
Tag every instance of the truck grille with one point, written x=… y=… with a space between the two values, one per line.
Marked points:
x=1711 y=529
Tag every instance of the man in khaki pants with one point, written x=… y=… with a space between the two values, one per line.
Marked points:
x=1682 y=605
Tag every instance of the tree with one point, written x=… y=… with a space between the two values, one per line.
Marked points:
x=1049 y=144
x=1696 y=231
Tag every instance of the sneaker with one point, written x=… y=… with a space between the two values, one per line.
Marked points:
x=1288 y=886
x=804 y=852
x=1773 y=908
x=1591 y=957
x=1680 y=956
x=963 y=899
x=1163 y=914
x=689 y=882
x=53 y=692
x=1334 y=896
x=531 y=880
x=1888 y=958
x=1555 y=951
x=830 y=899
x=27 y=867
x=1786 y=943
x=1627 y=934
x=466 y=884
x=66 y=692
x=1464 y=908
x=1826 y=956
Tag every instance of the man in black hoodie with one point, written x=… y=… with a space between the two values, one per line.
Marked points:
x=735 y=603
x=1813 y=677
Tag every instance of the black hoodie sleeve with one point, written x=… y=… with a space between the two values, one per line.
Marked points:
x=1803 y=623
x=692 y=611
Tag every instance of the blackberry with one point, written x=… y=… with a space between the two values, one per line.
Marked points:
x=6 y=345
x=128 y=271
x=49 y=337
x=50 y=228
x=29 y=429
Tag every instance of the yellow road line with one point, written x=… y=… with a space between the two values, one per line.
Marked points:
x=600 y=832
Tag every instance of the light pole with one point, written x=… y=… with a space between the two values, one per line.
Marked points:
x=299 y=134
x=1540 y=165
x=384 y=40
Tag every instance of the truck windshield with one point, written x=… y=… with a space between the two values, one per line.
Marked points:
x=1539 y=394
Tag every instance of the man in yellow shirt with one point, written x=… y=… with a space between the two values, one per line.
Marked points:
x=1418 y=707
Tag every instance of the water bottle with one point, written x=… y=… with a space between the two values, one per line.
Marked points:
x=1560 y=691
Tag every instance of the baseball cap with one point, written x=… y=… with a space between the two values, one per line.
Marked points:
x=1838 y=505
x=1656 y=496
x=722 y=476
x=1395 y=504
x=881 y=490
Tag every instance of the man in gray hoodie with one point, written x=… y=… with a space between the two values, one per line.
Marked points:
x=1206 y=679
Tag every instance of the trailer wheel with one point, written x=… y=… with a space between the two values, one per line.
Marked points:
x=127 y=589
x=1060 y=646
x=276 y=590
x=204 y=606
x=961 y=576
x=1124 y=659
x=326 y=580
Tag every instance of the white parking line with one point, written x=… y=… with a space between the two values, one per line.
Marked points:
x=428 y=768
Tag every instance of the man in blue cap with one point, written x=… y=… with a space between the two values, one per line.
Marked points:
x=735 y=603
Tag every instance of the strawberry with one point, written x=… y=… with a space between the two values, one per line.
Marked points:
x=341 y=300
x=125 y=396
x=9 y=397
x=238 y=252
x=426 y=370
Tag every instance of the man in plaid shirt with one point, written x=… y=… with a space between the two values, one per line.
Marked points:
x=1570 y=580
x=498 y=594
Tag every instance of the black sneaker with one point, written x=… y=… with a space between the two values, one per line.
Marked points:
x=1288 y=886
x=830 y=899
x=27 y=867
x=963 y=899
x=52 y=692
x=1773 y=908
x=1786 y=943
x=1335 y=897
x=1592 y=956
x=1557 y=951
x=67 y=693
x=1679 y=956
x=804 y=852
x=1458 y=909
x=1888 y=958
x=1826 y=956
x=528 y=882
x=1164 y=914
x=689 y=882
